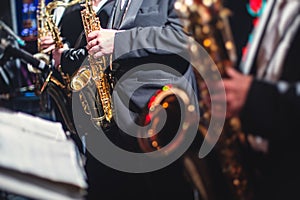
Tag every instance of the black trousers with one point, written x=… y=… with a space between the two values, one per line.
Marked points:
x=107 y=183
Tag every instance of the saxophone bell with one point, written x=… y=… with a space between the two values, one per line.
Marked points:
x=81 y=79
x=85 y=87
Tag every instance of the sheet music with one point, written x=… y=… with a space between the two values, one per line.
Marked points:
x=37 y=159
x=32 y=124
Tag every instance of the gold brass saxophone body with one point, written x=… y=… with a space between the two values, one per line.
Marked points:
x=208 y=23
x=42 y=30
x=56 y=84
x=46 y=26
x=92 y=82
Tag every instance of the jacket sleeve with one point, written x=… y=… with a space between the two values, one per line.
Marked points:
x=72 y=59
x=165 y=36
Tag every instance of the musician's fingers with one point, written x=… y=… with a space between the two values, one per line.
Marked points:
x=49 y=49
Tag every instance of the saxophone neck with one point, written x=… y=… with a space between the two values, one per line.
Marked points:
x=89 y=6
x=42 y=3
x=40 y=16
x=89 y=18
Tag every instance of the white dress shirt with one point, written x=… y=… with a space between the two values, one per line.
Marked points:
x=100 y=4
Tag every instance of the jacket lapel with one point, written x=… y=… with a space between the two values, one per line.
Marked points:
x=112 y=14
x=248 y=61
x=131 y=14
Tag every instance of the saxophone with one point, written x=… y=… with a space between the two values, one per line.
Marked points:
x=99 y=105
x=45 y=26
x=208 y=23
x=56 y=84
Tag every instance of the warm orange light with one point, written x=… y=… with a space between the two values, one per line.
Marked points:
x=207 y=42
x=165 y=105
x=155 y=144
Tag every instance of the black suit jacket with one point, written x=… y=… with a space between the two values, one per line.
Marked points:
x=272 y=111
x=153 y=36
x=71 y=24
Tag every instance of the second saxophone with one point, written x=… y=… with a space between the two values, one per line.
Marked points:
x=98 y=104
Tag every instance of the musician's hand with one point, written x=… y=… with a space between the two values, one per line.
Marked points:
x=236 y=88
x=101 y=42
x=56 y=54
x=47 y=44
